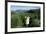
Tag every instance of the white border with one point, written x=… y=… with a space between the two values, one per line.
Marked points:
x=9 y=29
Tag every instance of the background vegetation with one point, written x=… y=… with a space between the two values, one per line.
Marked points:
x=18 y=18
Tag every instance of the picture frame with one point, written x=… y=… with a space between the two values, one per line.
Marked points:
x=27 y=29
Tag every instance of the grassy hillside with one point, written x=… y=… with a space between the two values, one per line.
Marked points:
x=18 y=18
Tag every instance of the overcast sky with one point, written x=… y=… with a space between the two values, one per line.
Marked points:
x=14 y=8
